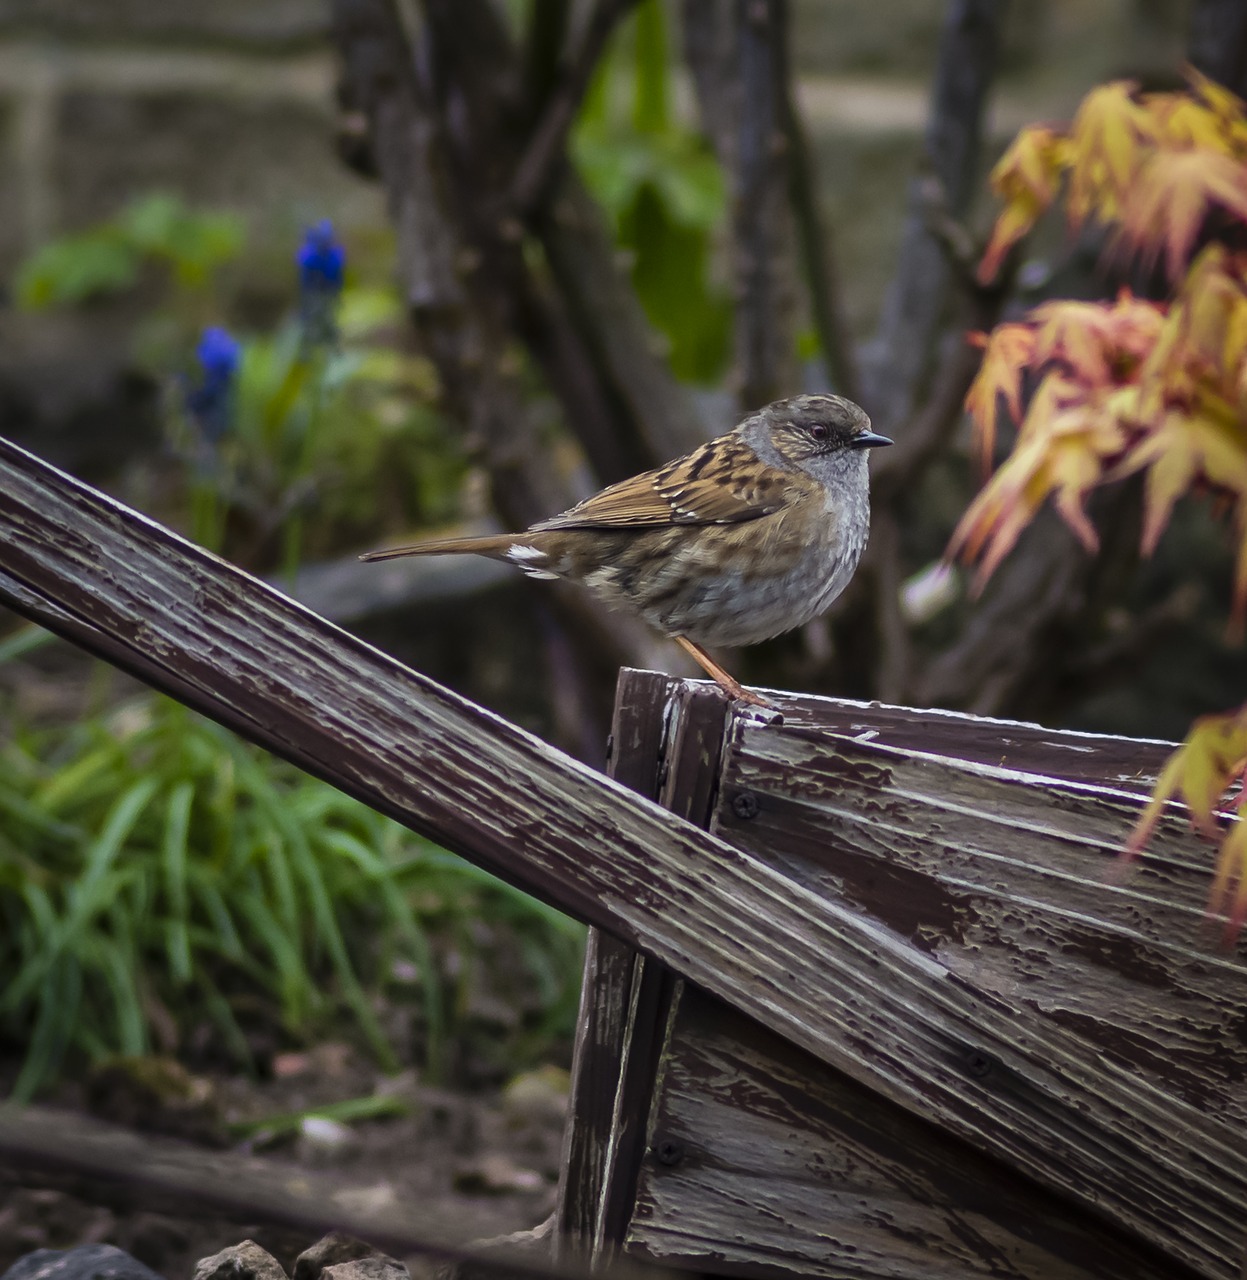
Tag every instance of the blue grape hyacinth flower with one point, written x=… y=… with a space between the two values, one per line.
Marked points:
x=321 y=260
x=210 y=401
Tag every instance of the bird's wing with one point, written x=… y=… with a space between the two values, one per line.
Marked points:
x=721 y=483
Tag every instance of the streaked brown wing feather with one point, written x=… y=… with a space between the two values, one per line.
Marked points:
x=720 y=483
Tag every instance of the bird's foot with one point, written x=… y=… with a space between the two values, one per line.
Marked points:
x=729 y=684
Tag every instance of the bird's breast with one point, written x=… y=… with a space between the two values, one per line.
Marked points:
x=758 y=579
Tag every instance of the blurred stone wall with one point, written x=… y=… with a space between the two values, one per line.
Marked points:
x=228 y=103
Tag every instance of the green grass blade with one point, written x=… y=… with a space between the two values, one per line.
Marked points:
x=174 y=855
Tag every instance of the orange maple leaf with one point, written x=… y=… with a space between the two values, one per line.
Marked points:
x=1099 y=342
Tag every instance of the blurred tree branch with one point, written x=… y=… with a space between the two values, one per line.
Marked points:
x=546 y=148
x=898 y=360
x=822 y=275
x=737 y=54
x=1217 y=42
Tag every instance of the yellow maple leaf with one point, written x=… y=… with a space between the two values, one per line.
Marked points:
x=1069 y=432
x=1107 y=137
x=1228 y=895
x=1209 y=325
x=1225 y=105
x=1207 y=442
x=1198 y=774
x=1007 y=351
x=1170 y=196
x=1027 y=177
x=1183 y=121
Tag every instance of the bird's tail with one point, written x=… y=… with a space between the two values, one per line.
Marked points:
x=494 y=545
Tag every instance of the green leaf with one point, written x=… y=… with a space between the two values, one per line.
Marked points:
x=25 y=640
x=174 y=853
x=345 y=1111
x=76 y=269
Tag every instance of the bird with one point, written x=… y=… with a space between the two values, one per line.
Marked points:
x=750 y=535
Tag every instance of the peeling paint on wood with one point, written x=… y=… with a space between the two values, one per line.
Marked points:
x=791 y=1169
x=1014 y=886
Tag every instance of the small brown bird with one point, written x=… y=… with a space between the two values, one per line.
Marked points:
x=753 y=534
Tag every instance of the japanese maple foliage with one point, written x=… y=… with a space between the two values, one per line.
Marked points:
x=1102 y=390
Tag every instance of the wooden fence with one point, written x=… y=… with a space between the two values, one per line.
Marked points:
x=865 y=1002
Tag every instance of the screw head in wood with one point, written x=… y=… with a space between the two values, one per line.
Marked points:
x=667 y=1151
x=745 y=805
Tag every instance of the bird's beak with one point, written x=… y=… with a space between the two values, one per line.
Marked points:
x=869 y=440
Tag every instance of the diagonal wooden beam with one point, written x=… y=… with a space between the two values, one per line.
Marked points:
x=838 y=984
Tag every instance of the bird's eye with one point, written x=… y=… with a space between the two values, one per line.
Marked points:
x=818 y=431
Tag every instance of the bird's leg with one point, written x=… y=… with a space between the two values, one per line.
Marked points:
x=732 y=686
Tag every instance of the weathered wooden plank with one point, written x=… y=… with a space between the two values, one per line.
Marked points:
x=850 y=991
x=597 y=1063
x=763 y=1161
x=1061 y=829
x=621 y=1003
x=688 y=781
x=1017 y=890
x=1130 y=764
x=666 y=741
x=634 y=759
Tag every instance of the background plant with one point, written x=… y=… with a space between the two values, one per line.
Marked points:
x=159 y=232
x=163 y=884
x=1101 y=391
x=665 y=194
x=325 y=412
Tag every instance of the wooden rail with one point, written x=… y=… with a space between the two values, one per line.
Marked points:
x=913 y=1028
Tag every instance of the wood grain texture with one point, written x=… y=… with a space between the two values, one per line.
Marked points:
x=1011 y=881
x=853 y=991
x=1130 y=764
x=788 y=1168
x=666 y=743
x=634 y=759
x=688 y=787
x=1017 y=890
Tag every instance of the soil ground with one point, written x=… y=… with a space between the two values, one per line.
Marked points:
x=488 y=1159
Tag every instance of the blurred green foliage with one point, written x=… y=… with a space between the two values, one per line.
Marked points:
x=663 y=190
x=328 y=443
x=157 y=873
x=156 y=230
x=325 y=447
